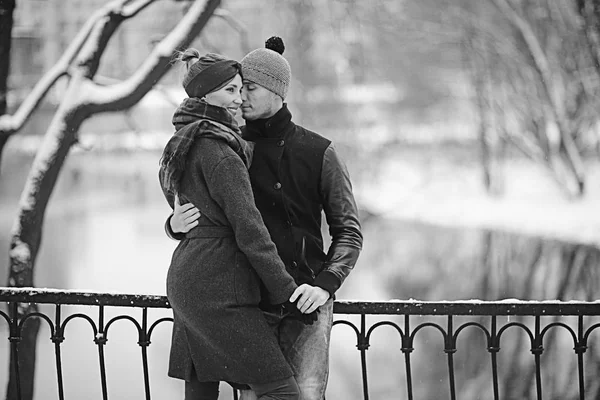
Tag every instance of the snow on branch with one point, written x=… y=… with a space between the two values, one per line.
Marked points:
x=10 y=124
x=127 y=93
x=113 y=14
x=131 y=10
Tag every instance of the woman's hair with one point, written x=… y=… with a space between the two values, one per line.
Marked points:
x=195 y=63
x=188 y=57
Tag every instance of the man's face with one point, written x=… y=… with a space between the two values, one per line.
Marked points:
x=258 y=102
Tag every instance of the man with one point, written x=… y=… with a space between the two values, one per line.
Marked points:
x=296 y=174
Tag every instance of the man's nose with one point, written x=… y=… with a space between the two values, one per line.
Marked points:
x=244 y=95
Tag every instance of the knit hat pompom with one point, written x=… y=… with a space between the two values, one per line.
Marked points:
x=275 y=43
x=268 y=68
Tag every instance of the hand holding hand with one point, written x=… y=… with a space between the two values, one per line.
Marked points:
x=184 y=217
x=309 y=298
x=306 y=319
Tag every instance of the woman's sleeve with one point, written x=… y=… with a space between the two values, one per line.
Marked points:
x=229 y=185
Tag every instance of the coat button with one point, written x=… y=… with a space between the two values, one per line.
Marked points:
x=294 y=264
x=281 y=143
x=277 y=186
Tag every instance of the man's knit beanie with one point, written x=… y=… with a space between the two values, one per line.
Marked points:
x=267 y=67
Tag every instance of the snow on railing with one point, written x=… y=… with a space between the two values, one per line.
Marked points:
x=535 y=320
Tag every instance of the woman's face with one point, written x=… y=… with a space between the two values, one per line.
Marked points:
x=229 y=96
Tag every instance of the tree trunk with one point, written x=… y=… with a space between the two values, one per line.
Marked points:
x=82 y=99
x=6 y=23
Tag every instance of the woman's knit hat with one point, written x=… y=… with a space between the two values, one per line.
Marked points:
x=267 y=67
x=211 y=72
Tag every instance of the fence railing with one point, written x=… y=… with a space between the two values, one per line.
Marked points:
x=408 y=318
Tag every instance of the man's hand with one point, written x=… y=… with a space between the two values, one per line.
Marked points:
x=248 y=395
x=309 y=298
x=184 y=217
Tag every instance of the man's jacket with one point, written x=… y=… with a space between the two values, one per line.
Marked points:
x=296 y=174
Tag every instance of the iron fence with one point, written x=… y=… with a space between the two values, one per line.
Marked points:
x=535 y=319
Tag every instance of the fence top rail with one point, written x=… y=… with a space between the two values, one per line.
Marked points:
x=76 y=297
x=401 y=307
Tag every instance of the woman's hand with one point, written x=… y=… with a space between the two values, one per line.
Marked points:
x=309 y=298
x=184 y=218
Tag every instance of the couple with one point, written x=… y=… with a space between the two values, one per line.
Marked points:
x=249 y=283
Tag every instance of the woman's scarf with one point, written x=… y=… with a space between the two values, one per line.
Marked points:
x=193 y=119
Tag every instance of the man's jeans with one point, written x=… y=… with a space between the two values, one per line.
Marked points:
x=306 y=348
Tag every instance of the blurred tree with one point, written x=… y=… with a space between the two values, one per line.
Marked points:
x=302 y=17
x=84 y=97
x=533 y=67
x=6 y=23
x=532 y=29
x=479 y=58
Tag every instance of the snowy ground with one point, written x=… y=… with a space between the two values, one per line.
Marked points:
x=453 y=195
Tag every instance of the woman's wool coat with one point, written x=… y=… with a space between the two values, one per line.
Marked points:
x=213 y=283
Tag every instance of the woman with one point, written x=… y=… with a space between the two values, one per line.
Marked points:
x=219 y=333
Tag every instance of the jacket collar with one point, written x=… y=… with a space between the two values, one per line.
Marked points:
x=272 y=127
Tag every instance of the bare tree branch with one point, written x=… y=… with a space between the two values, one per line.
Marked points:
x=553 y=88
x=236 y=25
x=88 y=60
x=527 y=146
x=10 y=124
x=127 y=93
x=131 y=10
x=539 y=57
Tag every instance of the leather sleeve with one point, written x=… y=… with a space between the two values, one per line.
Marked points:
x=341 y=213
